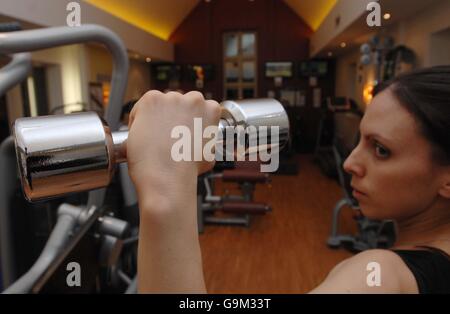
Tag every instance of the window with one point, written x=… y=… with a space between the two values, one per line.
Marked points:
x=240 y=65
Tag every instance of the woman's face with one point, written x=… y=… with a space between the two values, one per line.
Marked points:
x=393 y=175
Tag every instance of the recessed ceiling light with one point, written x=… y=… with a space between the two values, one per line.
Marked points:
x=330 y=54
x=343 y=44
x=148 y=59
x=387 y=16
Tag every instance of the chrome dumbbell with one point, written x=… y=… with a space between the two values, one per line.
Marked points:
x=62 y=154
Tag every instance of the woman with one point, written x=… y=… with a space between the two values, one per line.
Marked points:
x=400 y=170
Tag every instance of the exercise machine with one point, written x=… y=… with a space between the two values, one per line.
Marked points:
x=323 y=152
x=241 y=206
x=71 y=225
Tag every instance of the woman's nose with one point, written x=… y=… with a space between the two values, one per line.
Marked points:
x=353 y=164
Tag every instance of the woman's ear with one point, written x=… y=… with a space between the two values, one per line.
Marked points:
x=445 y=188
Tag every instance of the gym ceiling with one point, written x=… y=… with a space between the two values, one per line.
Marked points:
x=161 y=17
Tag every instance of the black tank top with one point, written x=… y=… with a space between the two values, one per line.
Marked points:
x=430 y=267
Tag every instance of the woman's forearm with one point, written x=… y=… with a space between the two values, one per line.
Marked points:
x=169 y=256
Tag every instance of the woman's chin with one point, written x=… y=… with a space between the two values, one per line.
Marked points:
x=371 y=213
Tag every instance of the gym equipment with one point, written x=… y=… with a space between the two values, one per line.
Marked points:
x=73 y=153
x=61 y=242
x=398 y=60
x=323 y=153
x=10 y=27
x=371 y=234
x=10 y=75
x=18 y=44
x=374 y=52
x=389 y=60
x=242 y=205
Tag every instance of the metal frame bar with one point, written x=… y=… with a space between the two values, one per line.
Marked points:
x=15 y=71
x=8 y=171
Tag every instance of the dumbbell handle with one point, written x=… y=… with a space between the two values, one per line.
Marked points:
x=73 y=153
x=119 y=137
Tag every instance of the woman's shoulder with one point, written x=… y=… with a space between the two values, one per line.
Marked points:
x=386 y=258
x=371 y=271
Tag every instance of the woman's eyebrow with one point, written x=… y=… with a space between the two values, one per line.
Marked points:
x=371 y=134
x=378 y=137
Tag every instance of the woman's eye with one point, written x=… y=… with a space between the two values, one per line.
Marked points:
x=380 y=151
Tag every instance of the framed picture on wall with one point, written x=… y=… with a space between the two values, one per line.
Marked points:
x=166 y=72
x=279 y=69
x=313 y=68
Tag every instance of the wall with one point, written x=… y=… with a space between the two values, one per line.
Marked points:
x=418 y=32
x=14 y=105
x=352 y=77
x=440 y=48
x=100 y=65
x=346 y=68
x=348 y=11
x=67 y=74
x=53 y=13
x=282 y=36
x=70 y=69
x=139 y=80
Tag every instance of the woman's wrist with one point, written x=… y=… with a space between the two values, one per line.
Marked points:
x=165 y=191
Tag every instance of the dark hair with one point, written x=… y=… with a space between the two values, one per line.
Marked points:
x=426 y=95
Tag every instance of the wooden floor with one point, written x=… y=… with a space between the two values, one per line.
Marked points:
x=284 y=251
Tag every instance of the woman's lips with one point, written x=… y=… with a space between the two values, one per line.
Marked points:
x=357 y=193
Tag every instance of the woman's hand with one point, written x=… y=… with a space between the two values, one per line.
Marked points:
x=157 y=176
x=152 y=121
x=169 y=257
